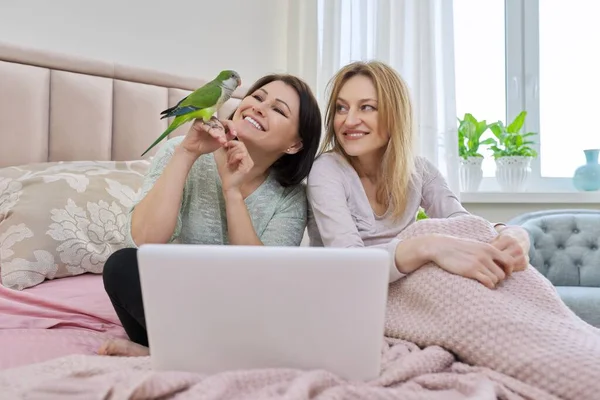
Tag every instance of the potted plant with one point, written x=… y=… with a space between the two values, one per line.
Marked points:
x=512 y=153
x=469 y=139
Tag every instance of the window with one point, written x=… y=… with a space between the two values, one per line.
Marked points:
x=569 y=83
x=540 y=56
x=479 y=48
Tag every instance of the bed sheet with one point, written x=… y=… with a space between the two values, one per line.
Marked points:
x=56 y=318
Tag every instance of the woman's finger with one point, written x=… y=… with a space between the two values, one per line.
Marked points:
x=237 y=156
x=482 y=268
x=199 y=127
x=503 y=259
x=515 y=250
x=484 y=279
x=230 y=132
x=231 y=157
x=246 y=164
x=233 y=150
x=234 y=145
x=237 y=146
x=509 y=245
x=521 y=263
x=495 y=270
x=501 y=242
x=215 y=129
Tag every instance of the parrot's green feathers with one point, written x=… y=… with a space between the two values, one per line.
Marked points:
x=178 y=121
x=228 y=74
x=202 y=103
x=207 y=96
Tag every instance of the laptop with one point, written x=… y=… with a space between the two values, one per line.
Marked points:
x=214 y=308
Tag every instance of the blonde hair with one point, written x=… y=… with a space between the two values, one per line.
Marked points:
x=395 y=115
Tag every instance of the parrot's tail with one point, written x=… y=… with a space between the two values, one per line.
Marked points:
x=178 y=121
x=166 y=112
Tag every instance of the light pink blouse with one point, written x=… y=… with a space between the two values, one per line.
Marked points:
x=340 y=215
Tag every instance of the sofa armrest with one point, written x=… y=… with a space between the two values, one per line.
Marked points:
x=565 y=245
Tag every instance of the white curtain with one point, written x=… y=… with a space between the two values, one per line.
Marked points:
x=303 y=40
x=413 y=36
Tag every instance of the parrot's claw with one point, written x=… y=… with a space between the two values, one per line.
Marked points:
x=214 y=125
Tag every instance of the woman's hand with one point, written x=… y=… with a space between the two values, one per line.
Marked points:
x=233 y=165
x=206 y=137
x=483 y=262
x=149 y=226
x=514 y=240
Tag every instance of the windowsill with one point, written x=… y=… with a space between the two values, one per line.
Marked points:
x=531 y=197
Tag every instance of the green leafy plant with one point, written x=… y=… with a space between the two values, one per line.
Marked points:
x=469 y=136
x=510 y=142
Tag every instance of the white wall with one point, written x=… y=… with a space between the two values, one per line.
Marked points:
x=189 y=37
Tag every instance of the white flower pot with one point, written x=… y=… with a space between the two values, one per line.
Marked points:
x=512 y=173
x=470 y=174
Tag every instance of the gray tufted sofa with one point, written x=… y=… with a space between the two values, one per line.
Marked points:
x=565 y=247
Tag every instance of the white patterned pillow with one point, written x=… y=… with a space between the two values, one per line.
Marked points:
x=60 y=219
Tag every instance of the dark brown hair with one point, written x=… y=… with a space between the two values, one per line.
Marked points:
x=292 y=169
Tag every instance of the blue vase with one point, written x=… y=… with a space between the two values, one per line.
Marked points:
x=587 y=177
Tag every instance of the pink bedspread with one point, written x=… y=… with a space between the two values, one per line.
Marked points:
x=54 y=319
x=448 y=338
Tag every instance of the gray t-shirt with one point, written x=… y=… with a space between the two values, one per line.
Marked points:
x=278 y=214
x=340 y=214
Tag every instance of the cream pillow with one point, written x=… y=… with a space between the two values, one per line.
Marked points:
x=60 y=219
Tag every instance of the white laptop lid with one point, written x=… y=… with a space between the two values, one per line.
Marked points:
x=216 y=308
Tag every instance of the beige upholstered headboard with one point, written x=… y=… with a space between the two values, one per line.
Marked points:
x=55 y=107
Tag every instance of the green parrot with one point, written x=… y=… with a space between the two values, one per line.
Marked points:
x=201 y=103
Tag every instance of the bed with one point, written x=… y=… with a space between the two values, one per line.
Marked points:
x=71 y=134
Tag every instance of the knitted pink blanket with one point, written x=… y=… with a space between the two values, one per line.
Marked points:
x=447 y=338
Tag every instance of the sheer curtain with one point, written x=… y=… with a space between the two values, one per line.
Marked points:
x=413 y=36
x=303 y=40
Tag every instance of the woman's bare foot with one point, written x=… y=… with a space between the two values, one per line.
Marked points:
x=122 y=347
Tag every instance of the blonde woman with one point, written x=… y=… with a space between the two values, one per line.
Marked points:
x=367 y=185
